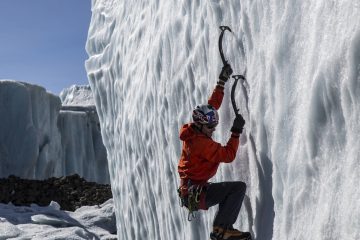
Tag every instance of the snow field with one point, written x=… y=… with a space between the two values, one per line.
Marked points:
x=35 y=222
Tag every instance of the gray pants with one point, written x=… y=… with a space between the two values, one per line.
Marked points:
x=229 y=196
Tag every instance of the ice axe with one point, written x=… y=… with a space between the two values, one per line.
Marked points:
x=223 y=29
x=236 y=78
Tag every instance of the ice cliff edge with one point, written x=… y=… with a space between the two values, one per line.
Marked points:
x=40 y=138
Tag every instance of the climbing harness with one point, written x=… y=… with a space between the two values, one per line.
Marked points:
x=192 y=200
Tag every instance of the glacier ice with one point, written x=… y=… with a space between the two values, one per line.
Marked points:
x=77 y=95
x=151 y=62
x=28 y=122
x=40 y=137
x=83 y=151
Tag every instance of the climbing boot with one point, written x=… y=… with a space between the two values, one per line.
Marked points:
x=229 y=233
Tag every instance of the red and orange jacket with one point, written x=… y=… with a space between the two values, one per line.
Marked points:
x=201 y=156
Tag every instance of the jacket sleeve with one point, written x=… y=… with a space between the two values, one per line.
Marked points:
x=216 y=153
x=216 y=97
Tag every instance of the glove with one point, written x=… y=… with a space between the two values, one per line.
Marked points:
x=225 y=73
x=238 y=124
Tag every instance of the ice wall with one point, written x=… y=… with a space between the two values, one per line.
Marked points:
x=29 y=137
x=152 y=62
x=82 y=147
x=41 y=138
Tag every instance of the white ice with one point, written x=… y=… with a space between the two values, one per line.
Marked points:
x=38 y=223
x=41 y=137
x=77 y=95
x=151 y=62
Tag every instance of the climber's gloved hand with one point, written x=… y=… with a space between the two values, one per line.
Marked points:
x=225 y=73
x=238 y=124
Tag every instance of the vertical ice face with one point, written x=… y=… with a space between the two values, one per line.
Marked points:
x=304 y=71
x=152 y=62
x=29 y=137
x=82 y=147
x=41 y=138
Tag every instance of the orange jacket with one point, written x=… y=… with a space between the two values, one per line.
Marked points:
x=201 y=156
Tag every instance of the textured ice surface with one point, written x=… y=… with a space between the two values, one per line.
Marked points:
x=152 y=62
x=77 y=95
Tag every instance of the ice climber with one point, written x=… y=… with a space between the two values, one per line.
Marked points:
x=200 y=159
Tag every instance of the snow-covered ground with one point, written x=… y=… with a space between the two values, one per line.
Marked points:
x=39 y=223
x=152 y=62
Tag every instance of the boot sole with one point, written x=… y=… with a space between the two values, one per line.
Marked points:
x=246 y=238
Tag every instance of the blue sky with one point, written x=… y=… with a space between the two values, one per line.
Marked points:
x=43 y=42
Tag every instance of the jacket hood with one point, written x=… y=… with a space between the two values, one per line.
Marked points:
x=187 y=131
